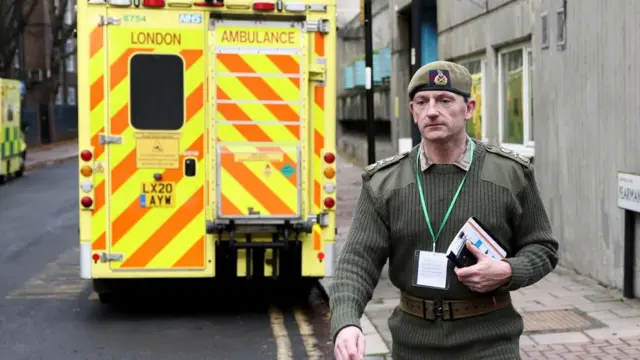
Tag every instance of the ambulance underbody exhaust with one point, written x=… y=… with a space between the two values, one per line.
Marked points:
x=284 y=244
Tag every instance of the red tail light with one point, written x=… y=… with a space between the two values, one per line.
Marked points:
x=96 y=257
x=86 y=155
x=320 y=256
x=264 y=6
x=209 y=3
x=153 y=3
x=329 y=158
x=329 y=203
x=86 y=201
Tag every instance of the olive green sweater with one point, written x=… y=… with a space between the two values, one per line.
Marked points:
x=388 y=223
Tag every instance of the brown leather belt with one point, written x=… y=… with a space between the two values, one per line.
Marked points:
x=452 y=309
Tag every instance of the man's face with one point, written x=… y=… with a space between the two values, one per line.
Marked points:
x=440 y=115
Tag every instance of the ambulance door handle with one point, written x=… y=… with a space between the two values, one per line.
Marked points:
x=189 y=167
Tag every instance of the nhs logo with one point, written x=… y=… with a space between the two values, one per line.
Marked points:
x=191 y=18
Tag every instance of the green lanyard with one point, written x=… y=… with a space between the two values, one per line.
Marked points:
x=453 y=201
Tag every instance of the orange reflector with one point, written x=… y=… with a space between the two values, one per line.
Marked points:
x=329 y=173
x=86 y=170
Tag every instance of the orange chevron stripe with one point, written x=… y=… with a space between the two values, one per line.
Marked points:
x=233 y=112
x=99 y=194
x=167 y=232
x=100 y=243
x=120 y=67
x=96 y=97
x=317 y=239
x=259 y=88
x=123 y=171
x=99 y=197
x=252 y=184
x=98 y=149
x=283 y=112
x=318 y=42
x=318 y=137
x=319 y=96
x=123 y=223
x=318 y=142
x=194 y=257
x=120 y=120
x=227 y=206
x=256 y=85
x=195 y=102
x=96 y=40
x=317 y=192
x=190 y=57
x=287 y=65
x=96 y=92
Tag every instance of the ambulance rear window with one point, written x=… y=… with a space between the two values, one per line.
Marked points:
x=157 y=92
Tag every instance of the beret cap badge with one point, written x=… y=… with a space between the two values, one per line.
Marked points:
x=441 y=79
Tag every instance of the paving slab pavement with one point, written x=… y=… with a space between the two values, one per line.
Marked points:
x=567 y=316
x=50 y=154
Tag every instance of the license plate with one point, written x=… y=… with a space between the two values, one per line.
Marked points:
x=158 y=194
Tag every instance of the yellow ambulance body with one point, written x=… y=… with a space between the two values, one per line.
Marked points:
x=13 y=148
x=207 y=139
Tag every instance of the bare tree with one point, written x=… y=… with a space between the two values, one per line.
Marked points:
x=62 y=20
x=14 y=17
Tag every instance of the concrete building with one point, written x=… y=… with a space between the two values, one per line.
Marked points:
x=556 y=81
x=394 y=37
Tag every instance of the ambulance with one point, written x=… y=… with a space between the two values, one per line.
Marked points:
x=13 y=148
x=206 y=140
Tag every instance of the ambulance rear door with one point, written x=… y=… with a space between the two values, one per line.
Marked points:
x=260 y=120
x=155 y=141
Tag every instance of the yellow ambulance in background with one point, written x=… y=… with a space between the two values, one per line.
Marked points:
x=13 y=148
x=206 y=140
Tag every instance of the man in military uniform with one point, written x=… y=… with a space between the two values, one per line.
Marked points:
x=411 y=208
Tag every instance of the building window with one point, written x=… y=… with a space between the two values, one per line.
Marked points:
x=515 y=110
x=71 y=96
x=544 y=30
x=476 y=127
x=70 y=61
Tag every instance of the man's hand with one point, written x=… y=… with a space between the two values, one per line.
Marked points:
x=486 y=275
x=349 y=344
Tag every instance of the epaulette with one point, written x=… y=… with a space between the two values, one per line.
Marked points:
x=508 y=153
x=381 y=164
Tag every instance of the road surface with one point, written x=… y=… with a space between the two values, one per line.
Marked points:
x=47 y=312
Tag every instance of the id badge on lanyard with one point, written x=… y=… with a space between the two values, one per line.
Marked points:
x=431 y=267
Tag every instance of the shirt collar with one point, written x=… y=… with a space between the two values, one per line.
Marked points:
x=463 y=162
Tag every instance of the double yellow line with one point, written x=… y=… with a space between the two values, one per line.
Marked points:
x=283 y=341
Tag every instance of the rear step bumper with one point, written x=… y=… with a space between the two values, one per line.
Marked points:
x=264 y=226
x=284 y=236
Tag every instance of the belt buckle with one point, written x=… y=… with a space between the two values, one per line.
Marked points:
x=438 y=308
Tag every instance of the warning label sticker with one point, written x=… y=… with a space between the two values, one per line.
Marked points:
x=157 y=151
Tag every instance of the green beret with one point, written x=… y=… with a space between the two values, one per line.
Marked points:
x=441 y=76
